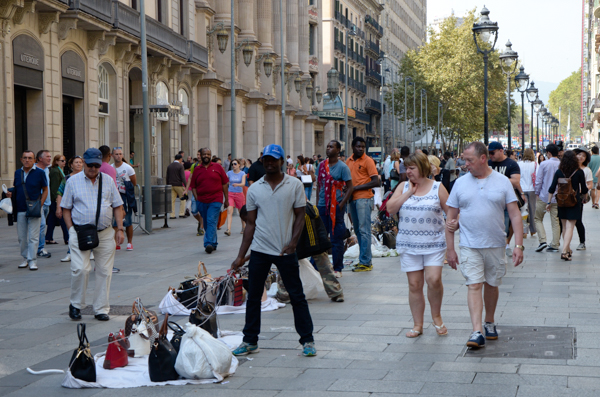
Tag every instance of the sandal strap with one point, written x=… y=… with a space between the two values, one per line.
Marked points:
x=439 y=326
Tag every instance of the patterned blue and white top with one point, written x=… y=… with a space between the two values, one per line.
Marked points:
x=421 y=224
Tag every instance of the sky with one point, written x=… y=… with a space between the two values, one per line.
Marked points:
x=545 y=33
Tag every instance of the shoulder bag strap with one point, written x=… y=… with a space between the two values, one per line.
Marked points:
x=23 y=185
x=99 y=198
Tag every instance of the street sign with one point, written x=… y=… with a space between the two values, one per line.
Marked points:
x=438 y=144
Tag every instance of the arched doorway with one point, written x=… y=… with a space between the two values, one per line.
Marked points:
x=73 y=94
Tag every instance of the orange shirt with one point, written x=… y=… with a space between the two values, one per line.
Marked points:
x=362 y=169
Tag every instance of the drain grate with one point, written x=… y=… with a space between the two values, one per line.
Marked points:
x=529 y=342
x=115 y=310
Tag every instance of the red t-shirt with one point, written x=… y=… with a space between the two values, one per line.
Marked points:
x=110 y=170
x=209 y=182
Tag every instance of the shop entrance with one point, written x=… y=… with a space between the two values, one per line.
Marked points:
x=68 y=109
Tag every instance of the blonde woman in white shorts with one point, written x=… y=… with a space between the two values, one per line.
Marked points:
x=421 y=242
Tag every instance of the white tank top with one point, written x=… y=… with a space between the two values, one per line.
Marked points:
x=421 y=229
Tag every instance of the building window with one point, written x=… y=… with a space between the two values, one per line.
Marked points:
x=335 y=64
x=162 y=98
x=182 y=14
x=185 y=110
x=312 y=34
x=103 y=91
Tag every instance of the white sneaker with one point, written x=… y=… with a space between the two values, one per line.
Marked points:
x=91 y=256
x=24 y=264
x=33 y=266
x=66 y=258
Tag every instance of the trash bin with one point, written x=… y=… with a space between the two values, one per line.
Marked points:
x=161 y=200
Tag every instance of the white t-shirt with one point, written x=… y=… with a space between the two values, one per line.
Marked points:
x=482 y=203
x=290 y=161
x=588 y=174
x=123 y=174
x=528 y=168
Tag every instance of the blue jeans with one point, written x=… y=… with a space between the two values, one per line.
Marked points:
x=336 y=235
x=42 y=237
x=29 y=233
x=360 y=211
x=210 y=215
x=195 y=204
x=308 y=191
x=288 y=268
x=52 y=222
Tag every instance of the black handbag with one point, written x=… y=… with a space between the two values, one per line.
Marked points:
x=394 y=175
x=34 y=207
x=87 y=235
x=205 y=316
x=162 y=357
x=314 y=239
x=82 y=364
x=178 y=333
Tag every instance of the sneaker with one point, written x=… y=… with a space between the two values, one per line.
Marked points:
x=363 y=268
x=199 y=230
x=490 y=331
x=24 y=264
x=541 y=247
x=116 y=270
x=209 y=249
x=118 y=248
x=308 y=350
x=509 y=252
x=581 y=247
x=551 y=249
x=337 y=274
x=245 y=348
x=66 y=258
x=32 y=266
x=91 y=256
x=476 y=340
x=129 y=247
x=339 y=298
x=44 y=254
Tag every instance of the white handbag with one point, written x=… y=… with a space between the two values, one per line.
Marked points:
x=139 y=340
x=6 y=205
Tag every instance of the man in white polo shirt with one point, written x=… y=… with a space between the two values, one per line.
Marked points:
x=276 y=204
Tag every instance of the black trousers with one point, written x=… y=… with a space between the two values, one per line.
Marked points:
x=580 y=227
x=290 y=274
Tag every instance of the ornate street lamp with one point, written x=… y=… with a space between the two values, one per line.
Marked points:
x=298 y=84
x=522 y=81
x=268 y=65
x=319 y=95
x=485 y=34
x=537 y=106
x=508 y=62
x=222 y=36
x=531 y=97
x=309 y=91
x=247 y=53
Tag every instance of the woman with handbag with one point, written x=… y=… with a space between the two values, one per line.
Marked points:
x=568 y=212
x=528 y=168
x=57 y=175
x=421 y=241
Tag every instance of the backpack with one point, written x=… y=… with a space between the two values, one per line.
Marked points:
x=565 y=195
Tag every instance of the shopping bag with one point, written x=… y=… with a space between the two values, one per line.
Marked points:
x=222 y=218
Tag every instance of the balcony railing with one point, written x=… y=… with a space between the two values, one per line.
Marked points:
x=100 y=9
x=161 y=35
x=373 y=104
x=197 y=54
x=374 y=47
x=371 y=21
x=362 y=116
x=373 y=74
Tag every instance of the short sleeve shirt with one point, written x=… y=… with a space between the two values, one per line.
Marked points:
x=235 y=178
x=507 y=167
x=361 y=169
x=339 y=172
x=275 y=213
x=482 y=203
x=35 y=180
x=208 y=182
x=256 y=171
x=124 y=173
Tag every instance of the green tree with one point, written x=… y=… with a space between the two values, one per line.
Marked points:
x=567 y=96
x=451 y=71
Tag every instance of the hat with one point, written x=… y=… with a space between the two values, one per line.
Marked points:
x=582 y=149
x=495 y=146
x=275 y=151
x=92 y=156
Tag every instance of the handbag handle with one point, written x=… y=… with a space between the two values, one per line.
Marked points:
x=83 y=340
x=179 y=329
x=23 y=185
x=164 y=328
x=99 y=198
x=202 y=270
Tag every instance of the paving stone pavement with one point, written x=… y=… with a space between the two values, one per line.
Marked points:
x=362 y=350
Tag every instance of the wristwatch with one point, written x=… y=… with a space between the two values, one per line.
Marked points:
x=522 y=248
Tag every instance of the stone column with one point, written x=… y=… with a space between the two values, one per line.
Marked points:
x=253 y=134
x=271 y=134
x=278 y=33
x=265 y=25
x=309 y=135
x=299 y=121
x=246 y=18
x=206 y=130
x=303 y=35
x=289 y=130
x=292 y=32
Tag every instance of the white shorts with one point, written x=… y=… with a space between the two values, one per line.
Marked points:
x=479 y=265
x=414 y=263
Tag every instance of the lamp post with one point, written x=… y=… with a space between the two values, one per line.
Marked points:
x=407 y=78
x=522 y=81
x=282 y=71
x=146 y=123
x=537 y=105
x=484 y=32
x=508 y=62
x=247 y=53
x=531 y=97
x=349 y=32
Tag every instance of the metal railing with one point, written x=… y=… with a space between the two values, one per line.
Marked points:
x=101 y=9
x=197 y=54
x=373 y=104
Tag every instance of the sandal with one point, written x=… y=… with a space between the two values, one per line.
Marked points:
x=565 y=256
x=415 y=333
x=51 y=242
x=228 y=232
x=438 y=329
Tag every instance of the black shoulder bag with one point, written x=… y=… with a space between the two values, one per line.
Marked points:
x=34 y=207
x=82 y=364
x=87 y=235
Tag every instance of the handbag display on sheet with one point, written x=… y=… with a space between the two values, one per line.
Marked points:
x=162 y=357
x=139 y=340
x=116 y=353
x=82 y=364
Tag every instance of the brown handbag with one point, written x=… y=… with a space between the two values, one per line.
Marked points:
x=138 y=311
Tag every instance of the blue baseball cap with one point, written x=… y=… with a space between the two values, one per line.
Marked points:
x=275 y=151
x=92 y=156
x=495 y=146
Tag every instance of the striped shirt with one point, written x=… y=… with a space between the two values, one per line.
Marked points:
x=81 y=197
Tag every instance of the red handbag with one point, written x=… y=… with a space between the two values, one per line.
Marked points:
x=116 y=353
x=238 y=293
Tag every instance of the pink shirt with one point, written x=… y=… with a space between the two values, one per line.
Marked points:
x=187 y=176
x=110 y=170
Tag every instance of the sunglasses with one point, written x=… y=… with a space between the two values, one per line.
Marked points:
x=93 y=165
x=117 y=148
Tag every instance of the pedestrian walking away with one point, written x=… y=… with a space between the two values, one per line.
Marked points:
x=528 y=169
x=482 y=196
x=334 y=189
x=568 y=173
x=276 y=207
x=81 y=208
x=176 y=178
x=543 y=180
x=364 y=179
x=209 y=185
x=421 y=242
x=126 y=182
x=30 y=191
